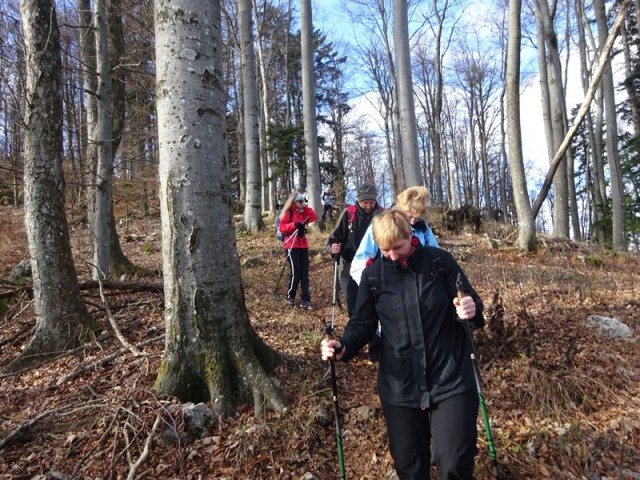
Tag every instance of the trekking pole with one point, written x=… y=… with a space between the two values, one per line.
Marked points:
x=476 y=374
x=284 y=265
x=328 y=330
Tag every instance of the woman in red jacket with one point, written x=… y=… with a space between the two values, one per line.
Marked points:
x=294 y=218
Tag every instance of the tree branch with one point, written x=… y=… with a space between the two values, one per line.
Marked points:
x=145 y=451
x=603 y=60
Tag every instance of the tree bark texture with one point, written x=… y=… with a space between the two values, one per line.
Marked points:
x=312 y=156
x=61 y=317
x=104 y=176
x=526 y=224
x=618 y=215
x=211 y=350
x=253 y=202
x=406 y=107
x=556 y=113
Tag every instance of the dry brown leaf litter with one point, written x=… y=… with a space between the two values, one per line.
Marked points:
x=563 y=402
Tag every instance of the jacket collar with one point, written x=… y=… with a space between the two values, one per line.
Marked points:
x=414 y=262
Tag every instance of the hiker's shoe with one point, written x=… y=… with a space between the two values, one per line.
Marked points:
x=306 y=304
x=290 y=301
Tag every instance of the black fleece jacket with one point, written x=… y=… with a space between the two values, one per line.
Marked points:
x=426 y=357
x=349 y=234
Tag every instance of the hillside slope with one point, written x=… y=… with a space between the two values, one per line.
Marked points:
x=564 y=402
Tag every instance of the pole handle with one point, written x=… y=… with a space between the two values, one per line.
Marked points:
x=459 y=286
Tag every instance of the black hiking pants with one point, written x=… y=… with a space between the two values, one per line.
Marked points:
x=299 y=263
x=348 y=286
x=327 y=210
x=447 y=431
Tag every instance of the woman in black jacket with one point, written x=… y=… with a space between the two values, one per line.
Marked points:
x=425 y=377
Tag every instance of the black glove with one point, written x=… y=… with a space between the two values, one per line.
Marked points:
x=301 y=228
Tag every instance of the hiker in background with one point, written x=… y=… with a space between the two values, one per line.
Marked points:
x=327 y=204
x=425 y=378
x=345 y=238
x=414 y=202
x=294 y=219
x=281 y=197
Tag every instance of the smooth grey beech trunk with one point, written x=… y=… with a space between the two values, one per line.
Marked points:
x=104 y=136
x=62 y=320
x=211 y=351
x=406 y=107
x=526 y=223
x=618 y=214
x=312 y=157
x=253 y=198
x=554 y=108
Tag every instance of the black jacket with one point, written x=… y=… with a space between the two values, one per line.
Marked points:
x=426 y=356
x=349 y=234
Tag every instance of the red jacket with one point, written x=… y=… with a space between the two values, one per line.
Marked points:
x=288 y=226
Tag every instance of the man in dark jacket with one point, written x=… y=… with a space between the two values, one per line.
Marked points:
x=425 y=377
x=348 y=233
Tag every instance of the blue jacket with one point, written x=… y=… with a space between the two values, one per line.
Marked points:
x=368 y=249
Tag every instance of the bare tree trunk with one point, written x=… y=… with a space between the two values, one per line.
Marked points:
x=313 y=186
x=252 y=220
x=634 y=101
x=120 y=264
x=526 y=224
x=88 y=147
x=62 y=321
x=555 y=113
x=269 y=188
x=618 y=233
x=211 y=351
x=603 y=60
x=104 y=179
x=406 y=108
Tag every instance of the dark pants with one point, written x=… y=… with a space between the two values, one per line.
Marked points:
x=348 y=286
x=327 y=209
x=447 y=431
x=350 y=289
x=299 y=263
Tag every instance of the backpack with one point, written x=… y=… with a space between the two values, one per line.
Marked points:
x=279 y=235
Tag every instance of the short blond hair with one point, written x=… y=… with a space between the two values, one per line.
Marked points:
x=390 y=226
x=414 y=201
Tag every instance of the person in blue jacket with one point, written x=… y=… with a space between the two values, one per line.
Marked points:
x=425 y=378
x=413 y=201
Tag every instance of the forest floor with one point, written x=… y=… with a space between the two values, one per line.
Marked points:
x=564 y=402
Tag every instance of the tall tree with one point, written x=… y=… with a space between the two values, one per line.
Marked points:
x=252 y=220
x=103 y=220
x=62 y=321
x=406 y=107
x=526 y=224
x=88 y=103
x=211 y=351
x=597 y=186
x=554 y=110
x=312 y=182
x=378 y=60
x=269 y=183
x=433 y=90
x=615 y=173
x=119 y=263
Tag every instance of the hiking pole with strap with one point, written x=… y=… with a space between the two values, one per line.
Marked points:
x=476 y=374
x=328 y=330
